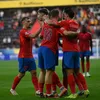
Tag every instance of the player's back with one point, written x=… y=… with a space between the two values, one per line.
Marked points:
x=25 y=45
x=49 y=37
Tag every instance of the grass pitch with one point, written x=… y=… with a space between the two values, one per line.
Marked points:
x=25 y=89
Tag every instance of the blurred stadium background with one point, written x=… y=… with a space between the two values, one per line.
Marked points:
x=86 y=12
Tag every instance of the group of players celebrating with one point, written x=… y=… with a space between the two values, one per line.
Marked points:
x=50 y=31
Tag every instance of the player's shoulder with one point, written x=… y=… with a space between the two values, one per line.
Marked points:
x=89 y=33
x=22 y=30
x=73 y=21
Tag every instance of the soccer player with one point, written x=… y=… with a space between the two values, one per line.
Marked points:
x=71 y=52
x=64 y=70
x=55 y=79
x=47 y=52
x=25 y=57
x=85 y=44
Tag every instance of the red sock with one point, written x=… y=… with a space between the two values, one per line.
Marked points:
x=78 y=83
x=65 y=82
x=71 y=82
x=41 y=86
x=53 y=82
x=88 y=66
x=48 y=88
x=83 y=67
x=53 y=87
x=35 y=82
x=57 y=81
x=82 y=80
x=15 y=83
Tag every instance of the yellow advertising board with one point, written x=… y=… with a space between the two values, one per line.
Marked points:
x=42 y=3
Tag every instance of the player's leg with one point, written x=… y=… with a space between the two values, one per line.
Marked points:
x=83 y=82
x=65 y=82
x=41 y=81
x=69 y=65
x=87 y=55
x=16 y=82
x=56 y=81
x=18 y=77
x=41 y=78
x=88 y=66
x=71 y=83
x=77 y=65
x=79 y=75
x=82 y=63
x=80 y=87
x=49 y=63
x=35 y=81
x=48 y=81
x=32 y=69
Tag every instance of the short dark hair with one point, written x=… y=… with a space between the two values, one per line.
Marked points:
x=54 y=13
x=43 y=10
x=69 y=11
x=24 y=18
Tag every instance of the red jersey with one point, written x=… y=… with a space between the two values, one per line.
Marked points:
x=50 y=37
x=25 y=44
x=84 y=41
x=69 y=45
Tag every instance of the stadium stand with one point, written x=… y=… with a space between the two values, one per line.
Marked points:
x=9 y=21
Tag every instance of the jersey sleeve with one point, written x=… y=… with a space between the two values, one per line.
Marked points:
x=62 y=23
x=73 y=26
x=25 y=34
x=60 y=31
x=87 y=36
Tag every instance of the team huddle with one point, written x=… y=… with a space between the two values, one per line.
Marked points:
x=51 y=31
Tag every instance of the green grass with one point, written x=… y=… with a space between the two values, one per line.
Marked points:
x=9 y=69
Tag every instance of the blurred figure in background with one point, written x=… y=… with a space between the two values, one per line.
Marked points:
x=85 y=44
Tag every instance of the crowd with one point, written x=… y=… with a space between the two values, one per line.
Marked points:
x=10 y=20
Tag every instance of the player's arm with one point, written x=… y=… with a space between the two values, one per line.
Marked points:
x=54 y=25
x=68 y=33
x=91 y=44
x=34 y=35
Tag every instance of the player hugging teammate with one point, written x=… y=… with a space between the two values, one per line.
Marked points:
x=51 y=29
